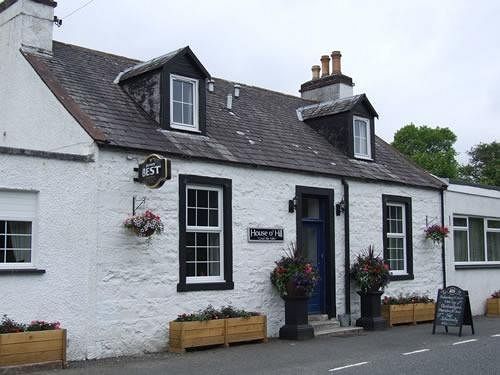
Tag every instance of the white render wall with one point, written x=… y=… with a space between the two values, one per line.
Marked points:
x=474 y=201
x=64 y=246
x=136 y=280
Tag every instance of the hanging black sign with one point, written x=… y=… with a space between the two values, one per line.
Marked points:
x=153 y=171
x=265 y=235
x=452 y=309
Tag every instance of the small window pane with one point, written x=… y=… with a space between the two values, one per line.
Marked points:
x=476 y=239
x=202 y=217
x=18 y=242
x=190 y=238
x=214 y=199
x=18 y=256
x=2 y=227
x=201 y=269
x=213 y=239
x=495 y=224
x=187 y=92
x=18 y=227
x=191 y=217
x=191 y=198
x=201 y=239
x=177 y=90
x=190 y=254
x=460 y=222
x=310 y=208
x=2 y=256
x=187 y=114
x=214 y=269
x=213 y=253
x=177 y=112
x=493 y=241
x=190 y=269
x=396 y=253
x=201 y=254
x=202 y=198
x=213 y=218
x=460 y=245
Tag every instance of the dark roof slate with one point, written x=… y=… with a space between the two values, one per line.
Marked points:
x=262 y=129
x=330 y=108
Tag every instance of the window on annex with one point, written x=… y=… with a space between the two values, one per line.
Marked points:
x=183 y=103
x=15 y=241
x=361 y=135
x=476 y=240
x=205 y=241
x=397 y=229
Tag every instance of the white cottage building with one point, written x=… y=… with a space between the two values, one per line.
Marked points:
x=76 y=122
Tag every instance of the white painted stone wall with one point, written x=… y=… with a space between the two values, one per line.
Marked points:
x=65 y=244
x=366 y=229
x=31 y=116
x=468 y=200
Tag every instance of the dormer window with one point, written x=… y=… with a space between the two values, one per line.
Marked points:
x=361 y=135
x=184 y=103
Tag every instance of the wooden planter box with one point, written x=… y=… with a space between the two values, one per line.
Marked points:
x=397 y=314
x=184 y=335
x=493 y=307
x=424 y=312
x=38 y=347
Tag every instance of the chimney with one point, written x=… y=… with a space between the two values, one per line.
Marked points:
x=325 y=66
x=330 y=86
x=315 y=71
x=27 y=23
x=336 y=68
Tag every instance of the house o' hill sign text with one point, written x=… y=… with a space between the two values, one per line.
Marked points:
x=265 y=234
x=154 y=171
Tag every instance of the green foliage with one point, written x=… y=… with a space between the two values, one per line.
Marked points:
x=404 y=300
x=430 y=148
x=484 y=164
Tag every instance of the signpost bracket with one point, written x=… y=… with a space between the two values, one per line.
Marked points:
x=136 y=204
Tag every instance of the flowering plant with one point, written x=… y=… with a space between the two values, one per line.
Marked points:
x=403 y=300
x=496 y=294
x=210 y=313
x=293 y=274
x=144 y=225
x=369 y=271
x=8 y=325
x=436 y=233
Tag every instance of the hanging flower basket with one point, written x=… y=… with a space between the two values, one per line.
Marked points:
x=144 y=225
x=436 y=233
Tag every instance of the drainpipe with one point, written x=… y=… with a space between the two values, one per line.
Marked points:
x=347 y=253
x=443 y=255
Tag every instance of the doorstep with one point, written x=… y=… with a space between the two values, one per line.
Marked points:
x=331 y=327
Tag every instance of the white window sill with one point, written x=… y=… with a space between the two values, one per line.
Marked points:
x=188 y=128
x=363 y=157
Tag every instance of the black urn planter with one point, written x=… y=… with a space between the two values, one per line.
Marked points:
x=371 y=318
x=296 y=326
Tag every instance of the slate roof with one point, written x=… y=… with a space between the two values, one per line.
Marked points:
x=262 y=129
x=333 y=107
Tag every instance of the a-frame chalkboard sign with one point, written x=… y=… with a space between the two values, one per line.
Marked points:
x=453 y=309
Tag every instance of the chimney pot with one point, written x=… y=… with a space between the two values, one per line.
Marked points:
x=325 y=65
x=315 y=71
x=336 y=67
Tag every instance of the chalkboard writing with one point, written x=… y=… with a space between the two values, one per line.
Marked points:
x=265 y=234
x=452 y=309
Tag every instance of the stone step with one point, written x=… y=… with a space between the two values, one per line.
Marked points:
x=323 y=324
x=318 y=317
x=339 y=331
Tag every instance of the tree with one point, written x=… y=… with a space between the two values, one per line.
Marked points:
x=430 y=148
x=484 y=164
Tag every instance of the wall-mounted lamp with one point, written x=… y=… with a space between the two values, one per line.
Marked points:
x=340 y=207
x=292 y=205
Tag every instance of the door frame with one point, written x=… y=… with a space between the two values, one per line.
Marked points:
x=326 y=195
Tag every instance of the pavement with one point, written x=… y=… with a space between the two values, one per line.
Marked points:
x=398 y=350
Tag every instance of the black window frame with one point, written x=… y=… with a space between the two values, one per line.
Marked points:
x=226 y=185
x=406 y=201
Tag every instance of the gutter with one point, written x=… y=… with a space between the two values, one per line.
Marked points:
x=443 y=253
x=347 y=250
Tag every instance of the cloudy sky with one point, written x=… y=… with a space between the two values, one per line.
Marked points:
x=428 y=62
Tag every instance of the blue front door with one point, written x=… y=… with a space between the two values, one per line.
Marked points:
x=313 y=248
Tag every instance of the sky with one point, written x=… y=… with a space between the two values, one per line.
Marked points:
x=434 y=63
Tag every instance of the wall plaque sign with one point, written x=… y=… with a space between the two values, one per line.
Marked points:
x=266 y=234
x=154 y=171
x=453 y=309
